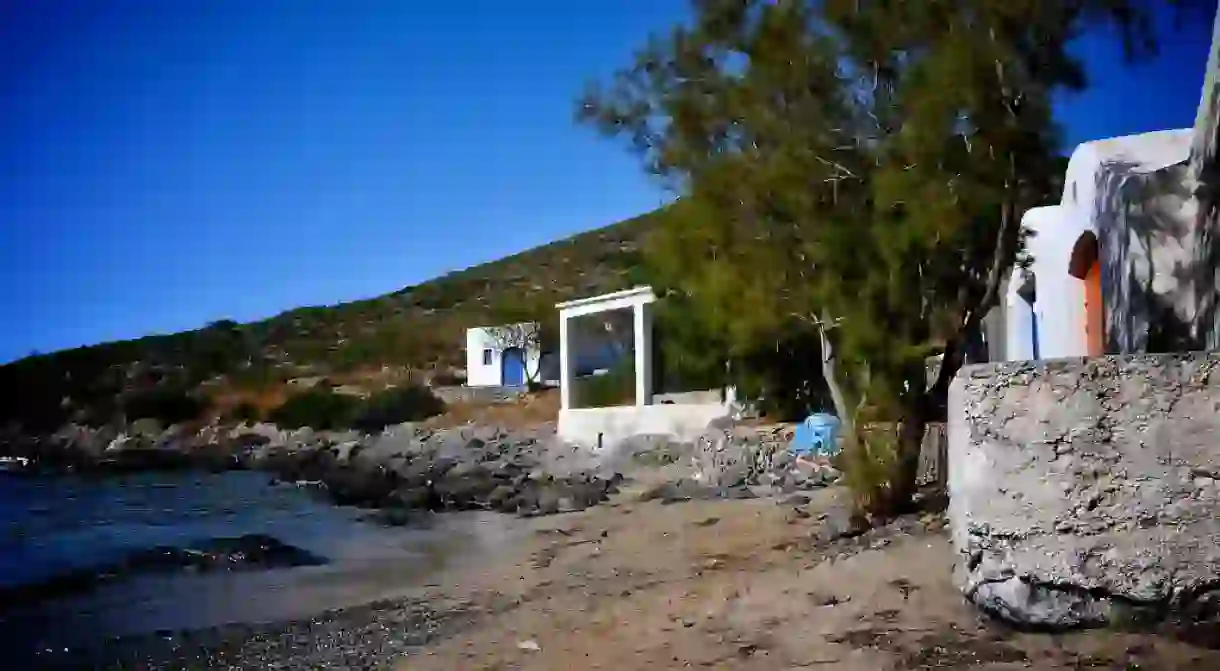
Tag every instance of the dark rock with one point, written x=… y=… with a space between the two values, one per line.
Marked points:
x=789 y=484
x=252 y=552
x=844 y=523
x=501 y=494
x=397 y=517
x=413 y=496
x=352 y=486
x=465 y=489
x=587 y=494
x=142 y=459
x=670 y=492
x=548 y=502
x=465 y=469
x=738 y=493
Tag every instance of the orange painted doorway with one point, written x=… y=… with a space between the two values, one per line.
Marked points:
x=1094 y=313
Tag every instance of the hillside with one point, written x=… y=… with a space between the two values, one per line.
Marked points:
x=418 y=326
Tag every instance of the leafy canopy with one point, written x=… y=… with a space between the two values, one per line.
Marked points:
x=853 y=168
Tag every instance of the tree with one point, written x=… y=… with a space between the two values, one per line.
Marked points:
x=855 y=171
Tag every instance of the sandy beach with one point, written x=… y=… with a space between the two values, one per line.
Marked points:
x=749 y=584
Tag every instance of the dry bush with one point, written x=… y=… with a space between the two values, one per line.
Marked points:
x=529 y=410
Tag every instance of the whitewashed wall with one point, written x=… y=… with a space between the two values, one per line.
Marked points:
x=1059 y=304
x=480 y=375
x=1134 y=195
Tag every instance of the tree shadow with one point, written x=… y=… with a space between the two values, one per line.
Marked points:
x=1146 y=242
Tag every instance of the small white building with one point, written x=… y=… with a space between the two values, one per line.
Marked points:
x=508 y=355
x=1111 y=263
x=682 y=416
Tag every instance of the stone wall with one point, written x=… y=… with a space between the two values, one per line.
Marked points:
x=1084 y=492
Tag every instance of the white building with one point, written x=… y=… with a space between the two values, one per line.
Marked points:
x=1111 y=263
x=508 y=355
x=683 y=416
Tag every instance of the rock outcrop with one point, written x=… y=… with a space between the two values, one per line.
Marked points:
x=410 y=467
x=253 y=552
x=1085 y=492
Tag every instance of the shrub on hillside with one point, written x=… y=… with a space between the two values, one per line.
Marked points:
x=615 y=387
x=245 y=412
x=168 y=405
x=408 y=403
x=447 y=378
x=318 y=408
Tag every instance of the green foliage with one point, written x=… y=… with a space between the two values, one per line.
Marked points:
x=852 y=174
x=868 y=460
x=783 y=373
x=245 y=412
x=409 y=403
x=259 y=376
x=615 y=387
x=168 y=405
x=318 y=408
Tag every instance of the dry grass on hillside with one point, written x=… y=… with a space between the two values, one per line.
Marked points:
x=528 y=411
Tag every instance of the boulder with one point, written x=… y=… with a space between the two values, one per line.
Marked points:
x=253 y=552
x=1081 y=490
x=271 y=432
x=147 y=428
x=75 y=442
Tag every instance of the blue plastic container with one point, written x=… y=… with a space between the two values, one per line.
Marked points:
x=816 y=436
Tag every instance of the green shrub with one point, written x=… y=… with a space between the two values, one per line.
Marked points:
x=245 y=412
x=869 y=463
x=408 y=403
x=318 y=408
x=615 y=387
x=447 y=379
x=169 y=405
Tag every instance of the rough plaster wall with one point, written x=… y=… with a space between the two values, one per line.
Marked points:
x=693 y=397
x=1144 y=224
x=1083 y=491
x=1018 y=322
x=1060 y=297
x=1204 y=172
x=582 y=426
x=491 y=375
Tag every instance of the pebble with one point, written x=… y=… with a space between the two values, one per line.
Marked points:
x=374 y=636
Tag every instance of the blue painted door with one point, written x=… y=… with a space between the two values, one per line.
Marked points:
x=512 y=367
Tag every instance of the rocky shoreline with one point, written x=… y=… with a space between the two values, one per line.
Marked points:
x=399 y=474
x=409 y=467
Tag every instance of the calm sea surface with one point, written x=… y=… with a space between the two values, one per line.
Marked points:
x=49 y=526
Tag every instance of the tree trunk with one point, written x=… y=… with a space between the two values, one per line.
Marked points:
x=911 y=431
x=830 y=371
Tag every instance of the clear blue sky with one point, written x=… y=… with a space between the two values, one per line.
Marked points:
x=165 y=163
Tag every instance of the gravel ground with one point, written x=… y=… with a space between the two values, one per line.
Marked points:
x=373 y=636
